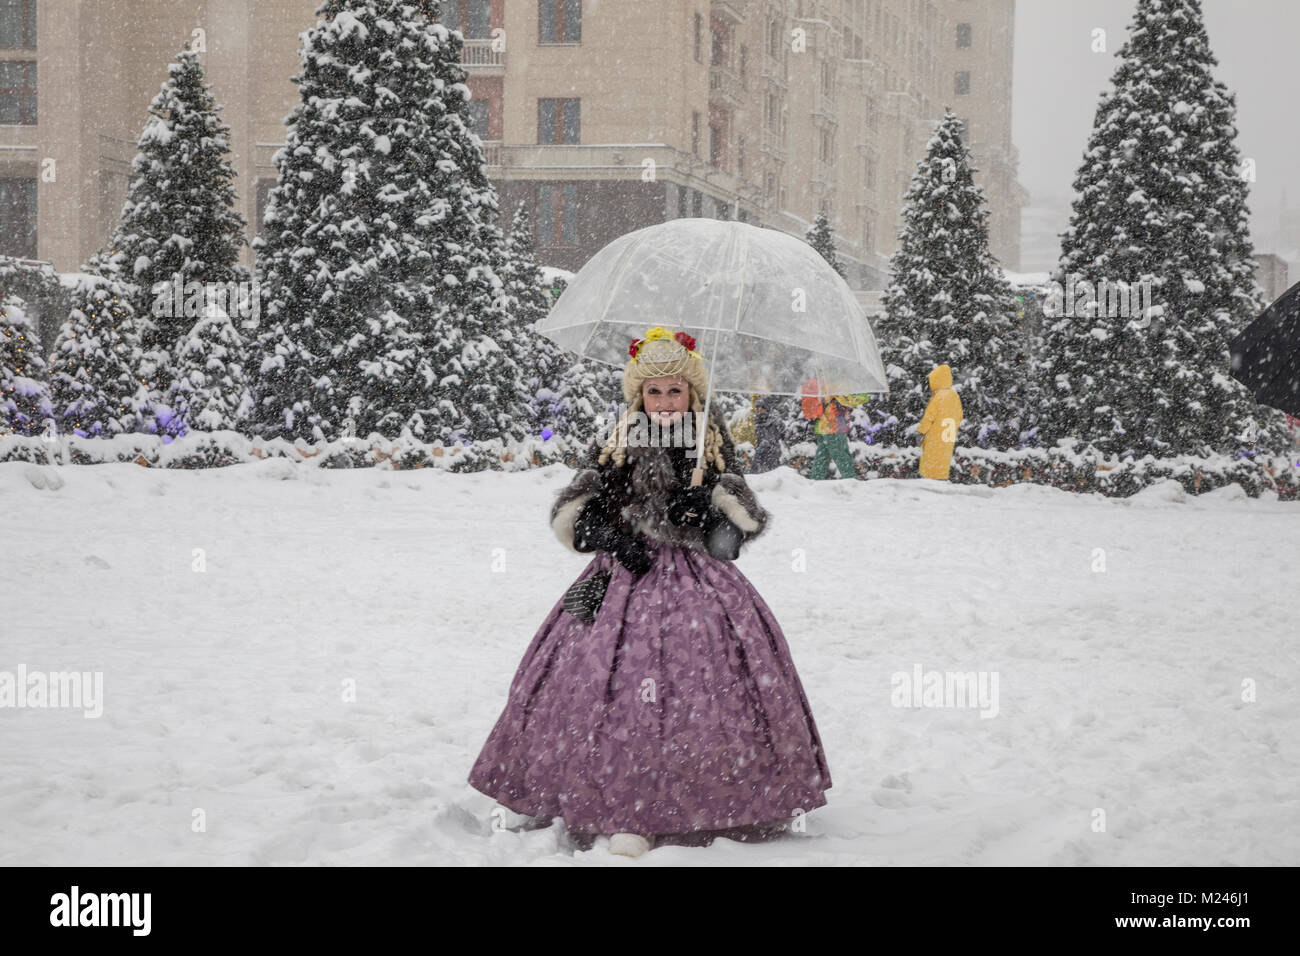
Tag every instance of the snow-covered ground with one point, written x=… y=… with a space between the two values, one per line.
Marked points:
x=1118 y=690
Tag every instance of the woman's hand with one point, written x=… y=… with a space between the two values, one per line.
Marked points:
x=594 y=531
x=633 y=555
x=690 y=507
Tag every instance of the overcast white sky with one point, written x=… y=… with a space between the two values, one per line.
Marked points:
x=1058 y=79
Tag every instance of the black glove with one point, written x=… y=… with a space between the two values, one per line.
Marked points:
x=596 y=531
x=593 y=530
x=691 y=507
x=633 y=554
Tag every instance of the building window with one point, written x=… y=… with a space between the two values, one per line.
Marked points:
x=695 y=133
x=961 y=85
x=17 y=24
x=718 y=52
x=827 y=146
x=569 y=225
x=774 y=39
x=471 y=17
x=740 y=156
x=557 y=214
x=869 y=172
x=681 y=202
x=697 y=203
x=699 y=37
x=559 y=21
x=963 y=35
x=717 y=146
x=868 y=234
x=744 y=67
x=963 y=130
x=557 y=121
x=18 y=218
x=17 y=93
x=480 y=114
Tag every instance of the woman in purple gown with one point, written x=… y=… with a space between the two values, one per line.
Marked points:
x=677 y=710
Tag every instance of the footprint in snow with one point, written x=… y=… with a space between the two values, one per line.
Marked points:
x=46 y=479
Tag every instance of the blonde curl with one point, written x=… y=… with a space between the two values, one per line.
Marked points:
x=616 y=446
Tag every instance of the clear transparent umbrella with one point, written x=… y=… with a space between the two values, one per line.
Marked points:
x=767 y=311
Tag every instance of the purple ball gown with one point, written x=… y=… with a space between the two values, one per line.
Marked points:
x=677 y=710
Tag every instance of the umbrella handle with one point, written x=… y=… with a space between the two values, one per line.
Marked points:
x=697 y=474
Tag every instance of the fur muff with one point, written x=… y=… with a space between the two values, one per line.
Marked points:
x=636 y=496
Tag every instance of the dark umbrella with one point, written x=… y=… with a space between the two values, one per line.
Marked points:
x=1266 y=354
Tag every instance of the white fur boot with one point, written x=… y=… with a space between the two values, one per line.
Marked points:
x=628 y=844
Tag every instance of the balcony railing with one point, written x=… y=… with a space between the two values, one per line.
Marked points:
x=479 y=55
x=823 y=175
x=725 y=87
x=774 y=76
x=732 y=10
x=771 y=143
x=824 y=104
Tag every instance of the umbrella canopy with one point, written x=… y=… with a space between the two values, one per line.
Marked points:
x=766 y=310
x=1266 y=354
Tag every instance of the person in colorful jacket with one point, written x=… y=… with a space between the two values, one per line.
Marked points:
x=939 y=425
x=832 y=417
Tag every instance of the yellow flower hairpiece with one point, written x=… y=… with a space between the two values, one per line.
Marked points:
x=659 y=332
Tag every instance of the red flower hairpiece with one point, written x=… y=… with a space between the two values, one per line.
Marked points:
x=681 y=338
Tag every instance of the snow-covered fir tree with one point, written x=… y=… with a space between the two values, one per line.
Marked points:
x=209 y=391
x=1160 y=200
x=565 y=394
x=948 y=302
x=179 y=224
x=1027 y=361
x=381 y=301
x=92 y=384
x=24 y=379
x=821 y=238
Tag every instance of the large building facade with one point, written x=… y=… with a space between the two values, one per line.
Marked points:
x=602 y=115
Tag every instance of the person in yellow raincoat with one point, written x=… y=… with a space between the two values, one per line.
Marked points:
x=939 y=425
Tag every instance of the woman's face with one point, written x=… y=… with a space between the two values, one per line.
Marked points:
x=666 y=399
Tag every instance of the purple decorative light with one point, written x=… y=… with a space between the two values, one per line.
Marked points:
x=546 y=434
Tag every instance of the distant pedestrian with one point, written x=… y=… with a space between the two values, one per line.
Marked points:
x=939 y=425
x=831 y=414
x=767 y=432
